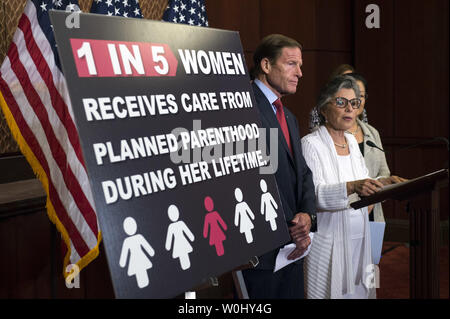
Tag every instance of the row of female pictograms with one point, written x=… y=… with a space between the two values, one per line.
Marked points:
x=179 y=236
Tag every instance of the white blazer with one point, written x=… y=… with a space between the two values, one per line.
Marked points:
x=328 y=267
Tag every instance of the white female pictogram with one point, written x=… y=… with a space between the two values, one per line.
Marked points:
x=135 y=246
x=268 y=206
x=179 y=233
x=243 y=216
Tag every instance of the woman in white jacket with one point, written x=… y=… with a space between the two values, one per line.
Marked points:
x=339 y=264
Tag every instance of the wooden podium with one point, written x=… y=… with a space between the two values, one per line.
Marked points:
x=423 y=210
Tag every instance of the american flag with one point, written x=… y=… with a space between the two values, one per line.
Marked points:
x=36 y=104
x=192 y=12
x=123 y=8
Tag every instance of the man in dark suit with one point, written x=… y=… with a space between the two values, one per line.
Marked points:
x=277 y=70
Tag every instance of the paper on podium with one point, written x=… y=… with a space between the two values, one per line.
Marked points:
x=284 y=252
x=376 y=238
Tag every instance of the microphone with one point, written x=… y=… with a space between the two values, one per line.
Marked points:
x=372 y=144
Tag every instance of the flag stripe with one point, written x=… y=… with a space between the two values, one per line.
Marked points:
x=36 y=104
x=55 y=150
x=76 y=163
x=57 y=101
x=32 y=142
x=39 y=108
x=47 y=52
x=43 y=22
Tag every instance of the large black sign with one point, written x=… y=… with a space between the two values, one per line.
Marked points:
x=169 y=131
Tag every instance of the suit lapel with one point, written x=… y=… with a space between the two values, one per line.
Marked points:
x=268 y=115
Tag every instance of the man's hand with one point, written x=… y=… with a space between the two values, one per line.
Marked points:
x=299 y=231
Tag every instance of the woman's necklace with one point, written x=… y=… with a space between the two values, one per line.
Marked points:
x=356 y=131
x=340 y=145
x=337 y=144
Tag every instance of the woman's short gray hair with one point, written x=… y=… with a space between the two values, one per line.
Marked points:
x=327 y=94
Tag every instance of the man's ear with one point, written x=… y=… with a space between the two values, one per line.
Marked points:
x=265 y=65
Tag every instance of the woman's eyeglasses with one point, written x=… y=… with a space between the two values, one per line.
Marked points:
x=342 y=102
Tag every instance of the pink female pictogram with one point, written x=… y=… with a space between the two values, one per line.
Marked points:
x=212 y=221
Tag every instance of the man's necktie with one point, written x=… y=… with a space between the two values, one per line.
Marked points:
x=282 y=120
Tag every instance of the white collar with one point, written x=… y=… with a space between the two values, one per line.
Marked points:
x=270 y=96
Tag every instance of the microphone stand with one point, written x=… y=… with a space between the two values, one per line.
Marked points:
x=438 y=138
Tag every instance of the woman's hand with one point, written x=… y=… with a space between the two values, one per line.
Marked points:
x=397 y=179
x=393 y=179
x=364 y=187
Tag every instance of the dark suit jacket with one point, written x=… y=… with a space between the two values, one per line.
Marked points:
x=293 y=176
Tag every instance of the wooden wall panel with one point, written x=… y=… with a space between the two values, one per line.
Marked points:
x=421 y=68
x=31 y=263
x=8 y=262
x=33 y=245
x=293 y=18
x=334 y=25
x=406 y=65
x=236 y=15
x=374 y=59
x=421 y=86
x=25 y=263
x=97 y=278
x=317 y=24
